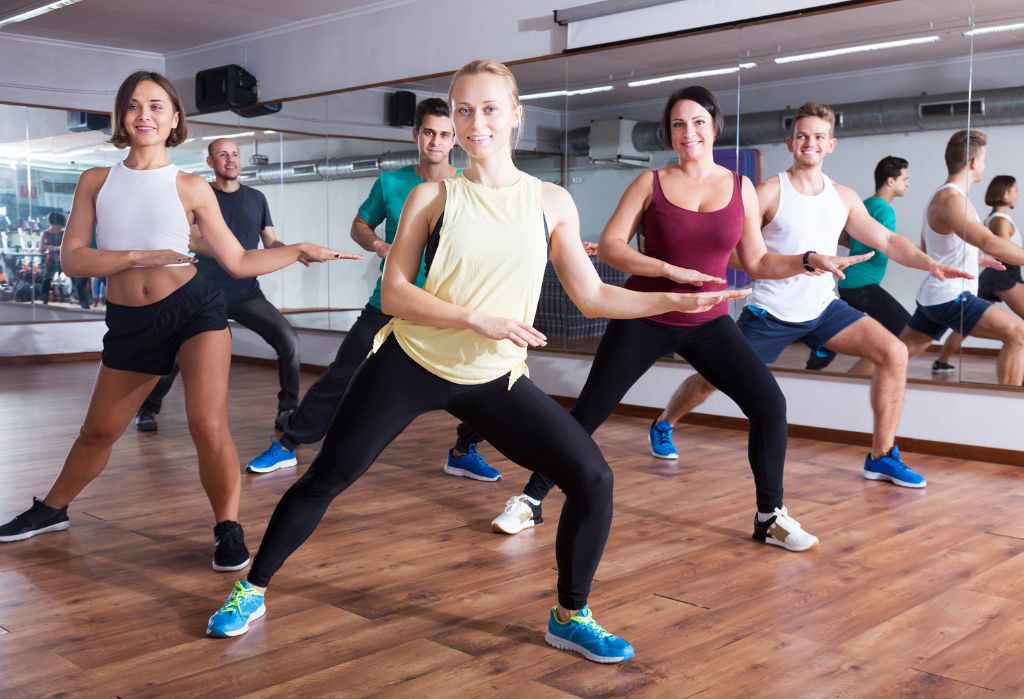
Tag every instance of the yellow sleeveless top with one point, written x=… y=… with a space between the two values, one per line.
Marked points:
x=490 y=258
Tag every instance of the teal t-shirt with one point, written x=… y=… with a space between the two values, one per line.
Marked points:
x=870 y=271
x=384 y=204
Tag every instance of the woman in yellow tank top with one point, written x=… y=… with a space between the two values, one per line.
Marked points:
x=459 y=344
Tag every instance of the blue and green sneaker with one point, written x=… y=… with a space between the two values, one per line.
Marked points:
x=244 y=605
x=582 y=634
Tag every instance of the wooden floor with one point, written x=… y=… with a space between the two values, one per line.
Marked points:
x=404 y=591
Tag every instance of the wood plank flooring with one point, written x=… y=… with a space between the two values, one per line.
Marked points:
x=404 y=592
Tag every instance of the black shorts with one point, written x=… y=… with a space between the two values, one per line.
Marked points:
x=991 y=280
x=147 y=338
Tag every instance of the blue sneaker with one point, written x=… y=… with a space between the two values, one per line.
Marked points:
x=583 y=635
x=244 y=605
x=890 y=467
x=275 y=457
x=661 y=441
x=471 y=465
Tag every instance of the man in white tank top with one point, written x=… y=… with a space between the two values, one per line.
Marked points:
x=804 y=211
x=953 y=234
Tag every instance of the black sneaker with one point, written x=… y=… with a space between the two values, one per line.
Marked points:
x=282 y=416
x=145 y=421
x=819 y=359
x=940 y=367
x=38 y=519
x=229 y=551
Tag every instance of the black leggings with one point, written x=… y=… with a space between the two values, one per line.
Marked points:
x=309 y=423
x=524 y=424
x=720 y=353
x=879 y=304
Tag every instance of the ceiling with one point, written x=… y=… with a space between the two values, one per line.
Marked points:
x=167 y=27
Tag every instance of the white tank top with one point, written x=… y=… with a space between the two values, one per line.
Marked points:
x=141 y=210
x=1015 y=238
x=952 y=250
x=801 y=223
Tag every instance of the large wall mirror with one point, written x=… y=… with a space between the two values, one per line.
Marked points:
x=591 y=125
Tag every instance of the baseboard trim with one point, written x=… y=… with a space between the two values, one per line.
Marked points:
x=966 y=452
x=21 y=360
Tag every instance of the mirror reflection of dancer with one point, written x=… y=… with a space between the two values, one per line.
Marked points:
x=434 y=136
x=803 y=210
x=247 y=215
x=954 y=235
x=459 y=344
x=994 y=284
x=693 y=214
x=142 y=209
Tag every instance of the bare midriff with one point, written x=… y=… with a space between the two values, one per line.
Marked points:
x=141 y=286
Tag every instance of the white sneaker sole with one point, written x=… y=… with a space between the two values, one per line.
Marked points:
x=668 y=457
x=270 y=469
x=498 y=529
x=228 y=569
x=60 y=526
x=789 y=547
x=452 y=471
x=872 y=476
x=238 y=632
x=562 y=644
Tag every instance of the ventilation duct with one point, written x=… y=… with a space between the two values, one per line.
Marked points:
x=998 y=107
x=327 y=168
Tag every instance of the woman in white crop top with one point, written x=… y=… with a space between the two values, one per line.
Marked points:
x=142 y=210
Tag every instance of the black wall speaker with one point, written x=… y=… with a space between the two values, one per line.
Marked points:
x=84 y=121
x=226 y=87
x=402 y=108
x=258 y=110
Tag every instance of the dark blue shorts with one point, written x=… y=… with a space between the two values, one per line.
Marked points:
x=769 y=335
x=959 y=315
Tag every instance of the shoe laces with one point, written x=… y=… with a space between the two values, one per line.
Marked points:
x=662 y=434
x=782 y=516
x=239 y=594
x=589 y=623
x=510 y=505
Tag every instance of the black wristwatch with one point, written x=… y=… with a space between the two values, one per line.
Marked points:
x=806 y=260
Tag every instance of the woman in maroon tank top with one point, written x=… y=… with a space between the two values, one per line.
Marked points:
x=692 y=214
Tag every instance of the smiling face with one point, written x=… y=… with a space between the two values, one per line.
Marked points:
x=811 y=141
x=150 y=115
x=435 y=138
x=225 y=159
x=485 y=113
x=692 y=130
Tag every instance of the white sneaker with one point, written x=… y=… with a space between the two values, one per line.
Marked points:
x=519 y=514
x=782 y=530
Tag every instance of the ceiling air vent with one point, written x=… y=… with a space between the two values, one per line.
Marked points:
x=951 y=109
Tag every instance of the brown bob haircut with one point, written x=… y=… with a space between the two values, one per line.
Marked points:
x=962 y=148
x=998 y=190
x=118 y=137
x=694 y=93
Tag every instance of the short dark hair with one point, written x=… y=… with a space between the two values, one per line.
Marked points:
x=998 y=188
x=56 y=218
x=889 y=166
x=694 y=93
x=962 y=148
x=124 y=98
x=431 y=106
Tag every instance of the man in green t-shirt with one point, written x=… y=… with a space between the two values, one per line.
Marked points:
x=862 y=287
x=434 y=134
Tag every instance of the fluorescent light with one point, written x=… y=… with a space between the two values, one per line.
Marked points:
x=695 y=74
x=567 y=93
x=229 y=135
x=857 y=49
x=29 y=14
x=993 y=30
x=269 y=131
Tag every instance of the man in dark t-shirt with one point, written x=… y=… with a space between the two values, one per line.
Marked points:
x=247 y=215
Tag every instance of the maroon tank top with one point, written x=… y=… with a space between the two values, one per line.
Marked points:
x=700 y=240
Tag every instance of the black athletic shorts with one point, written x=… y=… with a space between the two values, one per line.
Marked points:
x=991 y=280
x=147 y=338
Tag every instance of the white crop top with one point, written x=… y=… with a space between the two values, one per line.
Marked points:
x=141 y=210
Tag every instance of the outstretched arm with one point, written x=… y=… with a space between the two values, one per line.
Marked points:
x=230 y=254
x=594 y=298
x=953 y=211
x=761 y=264
x=867 y=230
